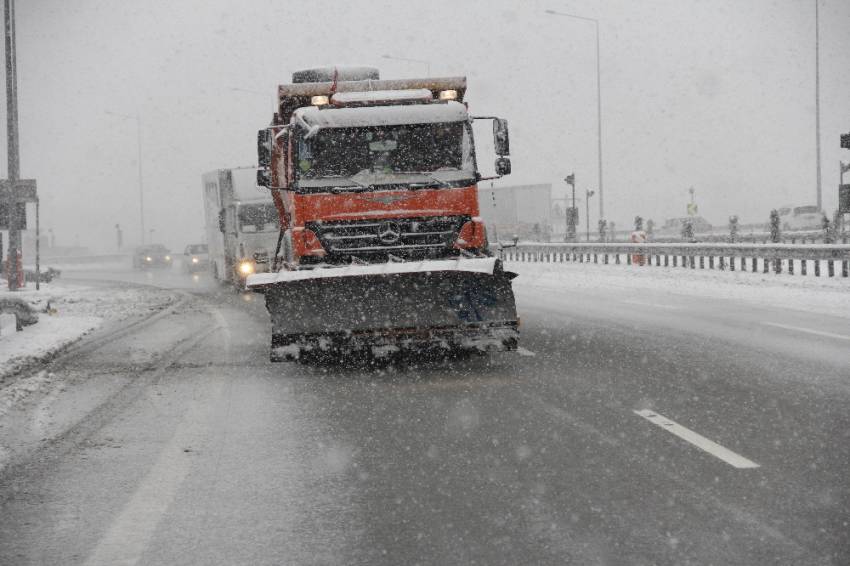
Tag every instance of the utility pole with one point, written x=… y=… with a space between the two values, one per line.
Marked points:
x=12 y=142
x=588 y=194
x=15 y=191
x=817 y=102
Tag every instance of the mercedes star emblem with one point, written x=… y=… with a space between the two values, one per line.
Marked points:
x=389 y=233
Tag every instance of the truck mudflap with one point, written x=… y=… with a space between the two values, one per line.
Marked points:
x=443 y=304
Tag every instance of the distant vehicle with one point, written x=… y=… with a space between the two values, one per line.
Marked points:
x=153 y=255
x=241 y=224
x=800 y=218
x=196 y=257
x=673 y=226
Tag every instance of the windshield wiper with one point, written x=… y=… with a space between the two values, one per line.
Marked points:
x=424 y=174
x=358 y=186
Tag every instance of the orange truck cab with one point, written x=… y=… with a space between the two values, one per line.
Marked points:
x=365 y=170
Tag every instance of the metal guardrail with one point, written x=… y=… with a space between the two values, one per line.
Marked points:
x=723 y=256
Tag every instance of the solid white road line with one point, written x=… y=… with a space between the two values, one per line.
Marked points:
x=808 y=330
x=524 y=352
x=731 y=458
x=652 y=305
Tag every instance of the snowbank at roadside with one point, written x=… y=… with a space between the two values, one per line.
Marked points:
x=818 y=295
x=67 y=312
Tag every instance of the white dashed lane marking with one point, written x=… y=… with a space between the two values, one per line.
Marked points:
x=701 y=442
x=523 y=352
x=807 y=330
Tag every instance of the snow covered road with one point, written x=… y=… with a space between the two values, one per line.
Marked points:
x=613 y=440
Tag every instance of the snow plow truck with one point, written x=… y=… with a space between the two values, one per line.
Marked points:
x=381 y=246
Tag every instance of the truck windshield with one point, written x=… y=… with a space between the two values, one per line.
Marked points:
x=391 y=153
x=258 y=218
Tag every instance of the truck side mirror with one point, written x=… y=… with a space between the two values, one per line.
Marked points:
x=264 y=148
x=263 y=178
x=221 y=221
x=503 y=166
x=501 y=140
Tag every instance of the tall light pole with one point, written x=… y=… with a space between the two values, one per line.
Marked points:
x=817 y=101
x=12 y=141
x=598 y=101
x=408 y=60
x=141 y=186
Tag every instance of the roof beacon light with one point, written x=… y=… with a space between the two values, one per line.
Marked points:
x=448 y=94
x=320 y=100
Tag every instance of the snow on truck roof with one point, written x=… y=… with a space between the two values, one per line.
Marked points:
x=381 y=115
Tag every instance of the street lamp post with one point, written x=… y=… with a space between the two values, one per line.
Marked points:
x=141 y=186
x=408 y=60
x=598 y=101
x=589 y=194
x=817 y=103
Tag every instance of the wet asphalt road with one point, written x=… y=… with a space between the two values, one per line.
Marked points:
x=191 y=448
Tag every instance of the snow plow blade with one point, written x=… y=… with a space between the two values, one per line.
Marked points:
x=446 y=304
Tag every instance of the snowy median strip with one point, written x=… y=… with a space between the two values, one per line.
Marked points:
x=701 y=442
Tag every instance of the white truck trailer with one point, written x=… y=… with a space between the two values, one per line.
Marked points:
x=241 y=224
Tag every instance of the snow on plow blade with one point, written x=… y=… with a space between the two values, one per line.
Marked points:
x=464 y=303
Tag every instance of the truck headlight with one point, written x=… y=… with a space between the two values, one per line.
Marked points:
x=246 y=267
x=168 y=258
x=149 y=258
x=194 y=260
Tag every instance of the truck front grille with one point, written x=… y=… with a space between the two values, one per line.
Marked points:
x=402 y=237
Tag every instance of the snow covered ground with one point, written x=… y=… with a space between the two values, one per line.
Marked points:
x=813 y=295
x=75 y=309
x=36 y=403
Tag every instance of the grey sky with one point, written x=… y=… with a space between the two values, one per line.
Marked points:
x=716 y=94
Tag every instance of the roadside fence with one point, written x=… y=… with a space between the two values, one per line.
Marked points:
x=763 y=258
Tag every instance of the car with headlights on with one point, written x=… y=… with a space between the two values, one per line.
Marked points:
x=196 y=257
x=153 y=255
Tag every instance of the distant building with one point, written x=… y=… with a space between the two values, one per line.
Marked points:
x=521 y=210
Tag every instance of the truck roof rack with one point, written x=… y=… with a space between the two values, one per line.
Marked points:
x=294 y=96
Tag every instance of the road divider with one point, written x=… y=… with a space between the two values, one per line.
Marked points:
x=756 y=258
x=701 y=442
